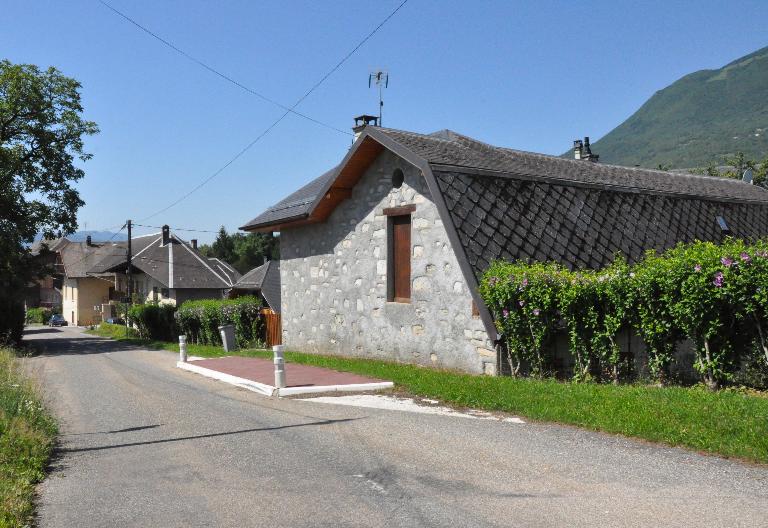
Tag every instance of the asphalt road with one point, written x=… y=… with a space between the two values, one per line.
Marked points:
x=146 y=444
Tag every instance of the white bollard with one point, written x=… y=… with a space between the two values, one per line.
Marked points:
x=183 y=348
x=279 y=366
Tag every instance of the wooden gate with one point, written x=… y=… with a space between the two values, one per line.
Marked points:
x=274 y=327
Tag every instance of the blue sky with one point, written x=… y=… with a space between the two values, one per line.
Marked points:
x=526 y=75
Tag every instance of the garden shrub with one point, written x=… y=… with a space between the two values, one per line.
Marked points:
x=524 y=299
x=154 y=321
x=38 y=315
x=714 y=295
x=651 y=316
x=200 y=320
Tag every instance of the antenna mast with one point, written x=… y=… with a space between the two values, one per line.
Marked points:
x=381 y=79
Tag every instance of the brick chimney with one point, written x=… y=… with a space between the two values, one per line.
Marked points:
x=166 y=234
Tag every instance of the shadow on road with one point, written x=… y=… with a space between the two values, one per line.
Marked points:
x=72 y=344
x=197 y=437
x=126 y=430
x=41 y=330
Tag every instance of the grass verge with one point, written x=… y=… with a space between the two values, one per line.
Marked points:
x=27 y=434
x=727 y=422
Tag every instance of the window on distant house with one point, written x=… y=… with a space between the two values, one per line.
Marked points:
x=399 y=259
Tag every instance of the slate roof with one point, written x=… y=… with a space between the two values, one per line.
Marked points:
x=581 y=227
x=503 y=203
x=264 y=279
x=79 y=257
x=52 y=244
x=175 y=265
x=450 y=148
x=294 y=205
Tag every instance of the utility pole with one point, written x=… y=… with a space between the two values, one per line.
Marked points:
x=128 y=264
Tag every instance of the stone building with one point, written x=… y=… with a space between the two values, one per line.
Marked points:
x=381 y=256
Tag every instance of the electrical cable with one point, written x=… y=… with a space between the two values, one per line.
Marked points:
x=276 y=122
x=217 y=72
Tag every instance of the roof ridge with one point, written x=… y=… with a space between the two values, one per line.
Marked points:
x=468 y=142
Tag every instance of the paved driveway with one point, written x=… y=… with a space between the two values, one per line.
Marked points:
x=146 y=444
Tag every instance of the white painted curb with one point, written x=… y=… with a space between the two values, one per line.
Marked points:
x=255 y=386
x=290 y=391
x=269 y=390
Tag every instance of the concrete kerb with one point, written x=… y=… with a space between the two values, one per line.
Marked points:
x=269 y=390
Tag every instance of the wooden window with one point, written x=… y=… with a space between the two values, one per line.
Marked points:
x=399 y=259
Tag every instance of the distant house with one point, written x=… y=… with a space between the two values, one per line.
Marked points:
x=167 y=269
x=46 y=292
x=83 y=292
x=164 y=269
x=264 y=282
x=381 y=256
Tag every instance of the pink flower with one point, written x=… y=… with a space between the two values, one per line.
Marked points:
x=727 y=262
x=718 y=279
x=521 y=303
x=525 y=282
x=493 y=281
x=745 y=257
x=697 y=268
x=536 y=312
x=505 y=313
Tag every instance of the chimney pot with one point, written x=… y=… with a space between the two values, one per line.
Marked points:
x=362 y=121
x=194 y=243
x=166 y=234
x=577 y=148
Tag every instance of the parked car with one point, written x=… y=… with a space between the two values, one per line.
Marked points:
x=114 y=320
x=57 y=320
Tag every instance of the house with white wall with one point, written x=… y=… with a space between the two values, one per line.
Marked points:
x=381 y=256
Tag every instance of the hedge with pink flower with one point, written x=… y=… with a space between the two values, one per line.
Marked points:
x=714 y=295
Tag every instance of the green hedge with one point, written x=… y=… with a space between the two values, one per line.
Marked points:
x=714 y=295
x=200 y=320
x=38 y=315
x=154 y=321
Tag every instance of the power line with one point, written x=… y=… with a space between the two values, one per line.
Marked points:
x=89 y=254
x=275 y=123
x=178 y=228
x=217 y=72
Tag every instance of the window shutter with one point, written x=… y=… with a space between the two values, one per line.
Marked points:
x=400 y=255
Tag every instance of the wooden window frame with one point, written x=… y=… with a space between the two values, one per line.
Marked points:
x=394 y=266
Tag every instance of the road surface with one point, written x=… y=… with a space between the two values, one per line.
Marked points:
x=146 y=444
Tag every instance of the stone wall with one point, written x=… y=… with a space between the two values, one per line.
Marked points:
x=334 y=282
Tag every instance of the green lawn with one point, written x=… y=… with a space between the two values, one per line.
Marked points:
x=27 y=434
x=727 y=422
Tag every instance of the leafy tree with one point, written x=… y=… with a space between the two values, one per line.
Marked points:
x=223 y=247
x=734 y=167
x=243 y=251
x=41 y=136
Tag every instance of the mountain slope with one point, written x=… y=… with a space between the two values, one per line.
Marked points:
x=697 y=119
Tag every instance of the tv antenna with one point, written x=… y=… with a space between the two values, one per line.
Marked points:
x=379 y=78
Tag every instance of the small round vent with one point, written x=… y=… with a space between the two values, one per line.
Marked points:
x=398 y=178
